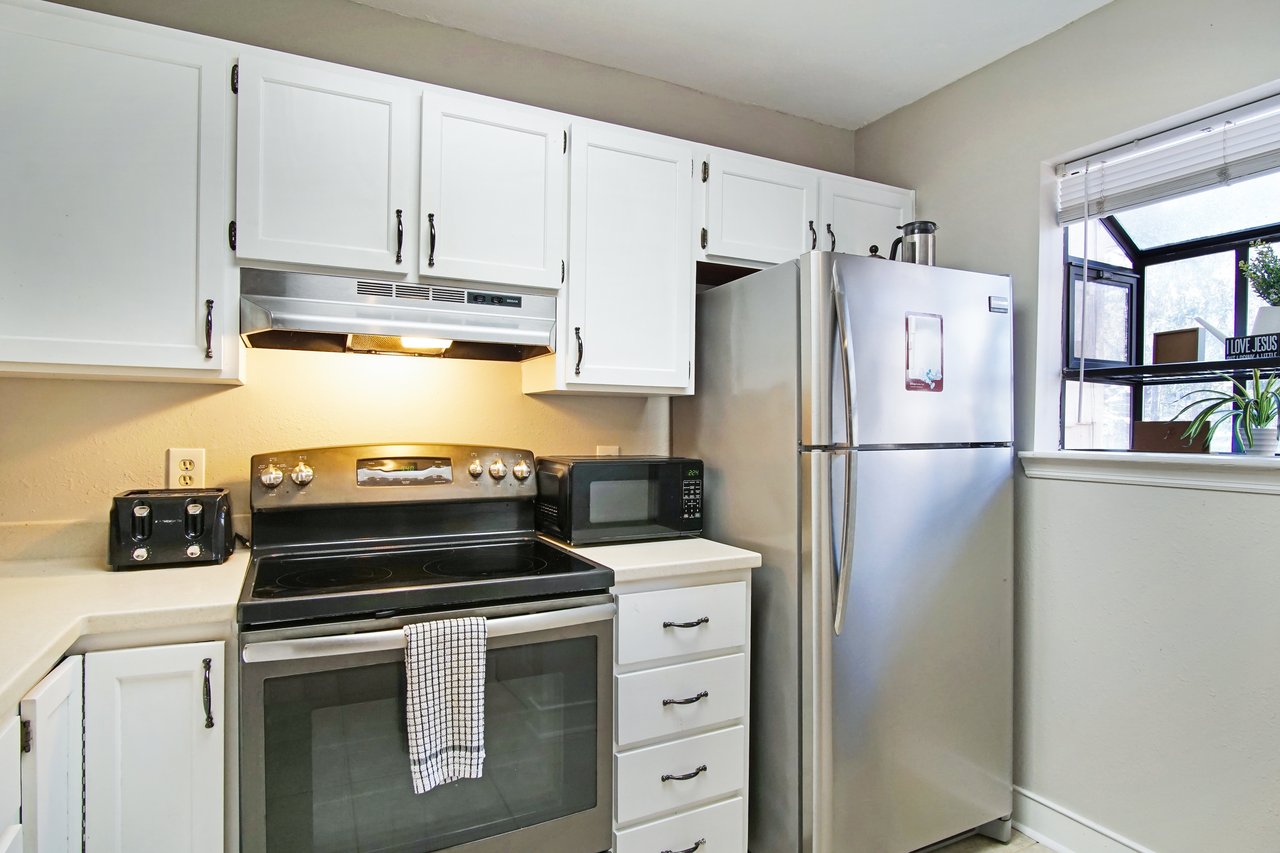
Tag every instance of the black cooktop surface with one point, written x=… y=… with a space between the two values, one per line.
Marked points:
x=299 y=586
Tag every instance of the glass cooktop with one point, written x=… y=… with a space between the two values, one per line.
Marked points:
x=305 y=586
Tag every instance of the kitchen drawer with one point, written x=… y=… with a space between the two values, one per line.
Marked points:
x=642 y=714
x=643 y=792
x=721 y=828
x=641 y=617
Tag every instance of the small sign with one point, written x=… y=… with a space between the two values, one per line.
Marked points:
x=1254 y=346
x=924 y=352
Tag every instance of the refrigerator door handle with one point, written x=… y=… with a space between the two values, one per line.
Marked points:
x=840 y=308
x=842 y=562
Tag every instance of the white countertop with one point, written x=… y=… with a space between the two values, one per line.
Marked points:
x=47 y=605
x=668 y=558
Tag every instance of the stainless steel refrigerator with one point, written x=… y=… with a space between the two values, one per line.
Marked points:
x=855 y=418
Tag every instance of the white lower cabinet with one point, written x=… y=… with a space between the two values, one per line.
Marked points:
x=52 y=750
x=680 y=737
x=153 y=750
x=10 y=786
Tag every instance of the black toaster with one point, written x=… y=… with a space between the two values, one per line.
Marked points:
x=170 y=527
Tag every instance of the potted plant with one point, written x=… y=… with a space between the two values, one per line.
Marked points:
x=1252 y=408
x=1263 y=272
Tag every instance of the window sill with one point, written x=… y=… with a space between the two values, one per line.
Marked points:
x=1218 y=472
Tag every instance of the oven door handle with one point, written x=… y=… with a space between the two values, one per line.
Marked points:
x=381 y=641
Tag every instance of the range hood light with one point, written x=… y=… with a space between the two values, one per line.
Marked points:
x=427 y=346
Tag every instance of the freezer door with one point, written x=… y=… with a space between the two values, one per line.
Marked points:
x=919 y=736
x=924 y=354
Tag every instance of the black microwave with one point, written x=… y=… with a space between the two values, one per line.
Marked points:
x=588 y=500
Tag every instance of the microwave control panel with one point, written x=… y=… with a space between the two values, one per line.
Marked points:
x=692 y=497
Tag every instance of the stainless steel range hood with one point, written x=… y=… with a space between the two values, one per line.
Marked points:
x=325 y=313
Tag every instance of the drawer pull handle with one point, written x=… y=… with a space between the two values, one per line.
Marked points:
x=208 y=694
x=681 y=777
x=693 y=849
x=702 y=694
x=694 y=624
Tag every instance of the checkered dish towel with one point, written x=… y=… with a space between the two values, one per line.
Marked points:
x=444 y=661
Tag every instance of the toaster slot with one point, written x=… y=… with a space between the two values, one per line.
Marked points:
x=140 y=522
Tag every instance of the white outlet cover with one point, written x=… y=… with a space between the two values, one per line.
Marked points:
x=606 y=450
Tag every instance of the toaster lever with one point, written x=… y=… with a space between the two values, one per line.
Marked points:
x=193 y=520
x=140 y=522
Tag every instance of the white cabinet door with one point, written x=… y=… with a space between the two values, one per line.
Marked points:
x=857 y=214
x=493 y=193
x=51 y=761
x=325 y=167
x=10 y=774
x=630 y=286
x=153 y=749
x=759 y=210
x=115 y=170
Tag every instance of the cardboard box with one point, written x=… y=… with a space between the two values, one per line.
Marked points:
x=1165 y=437
x=1178 y=345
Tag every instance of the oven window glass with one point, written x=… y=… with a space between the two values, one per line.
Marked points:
x=621 y=501
x=337 y=756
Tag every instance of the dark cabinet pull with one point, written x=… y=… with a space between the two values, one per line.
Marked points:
x=208 y=695
x=208 y=328
x=693 y=849
x=833 y=237
x=399 y=236
x=683 y=777
x=577 y=368
x=694 y=624
x=813 y=232
x=431 y=249
x=702 y=694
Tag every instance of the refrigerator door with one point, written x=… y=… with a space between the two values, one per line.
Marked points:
x=927 y=352
x=920 y=680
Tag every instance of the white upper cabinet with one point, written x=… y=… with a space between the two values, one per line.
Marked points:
x=493 y=193
x=115 y=168
x=757 y=209
x=52 y=766
x=153 y=749
x=627 y=311
x=326 y=165
x=857 y=214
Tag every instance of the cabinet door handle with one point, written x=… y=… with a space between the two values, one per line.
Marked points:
x=208 y=695
x=702 y=694
x=431 y=249
x=813 y=233
x=694 y=624
x=577 y=368
x=694 y=849
x=399 y=236
x=833 y=237
x=683 y=777
x=208 y=328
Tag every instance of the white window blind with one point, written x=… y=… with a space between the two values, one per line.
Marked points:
x=1235 y=144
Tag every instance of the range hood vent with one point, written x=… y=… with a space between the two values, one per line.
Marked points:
x=324 y=313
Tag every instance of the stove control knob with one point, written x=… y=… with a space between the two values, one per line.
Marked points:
x=497 y=469
x=271 y=477
x=476 y=468
x=194 y=550
x=302 y=474
x=521 y=470
x=140 y=554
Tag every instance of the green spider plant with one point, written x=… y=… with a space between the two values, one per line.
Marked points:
x=1250 y=407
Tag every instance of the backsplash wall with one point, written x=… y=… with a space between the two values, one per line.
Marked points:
x=69 y=445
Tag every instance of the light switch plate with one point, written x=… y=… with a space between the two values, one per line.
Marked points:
x=606 y=450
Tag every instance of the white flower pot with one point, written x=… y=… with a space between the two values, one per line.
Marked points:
x=1266 y=321
x=1265 y=442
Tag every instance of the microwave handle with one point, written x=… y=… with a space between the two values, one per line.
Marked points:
x=381 y=641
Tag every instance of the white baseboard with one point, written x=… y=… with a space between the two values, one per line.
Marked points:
x=1063 y=830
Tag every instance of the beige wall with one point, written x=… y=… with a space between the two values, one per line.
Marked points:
x=1146 y=685
x=346 y=32
x=69 y=445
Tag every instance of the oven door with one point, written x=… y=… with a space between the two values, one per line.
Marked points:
x=324 y=751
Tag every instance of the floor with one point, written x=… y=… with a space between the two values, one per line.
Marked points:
x=981 y=844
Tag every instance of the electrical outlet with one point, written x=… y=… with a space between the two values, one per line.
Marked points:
x=606 y=450
x=184 y=468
